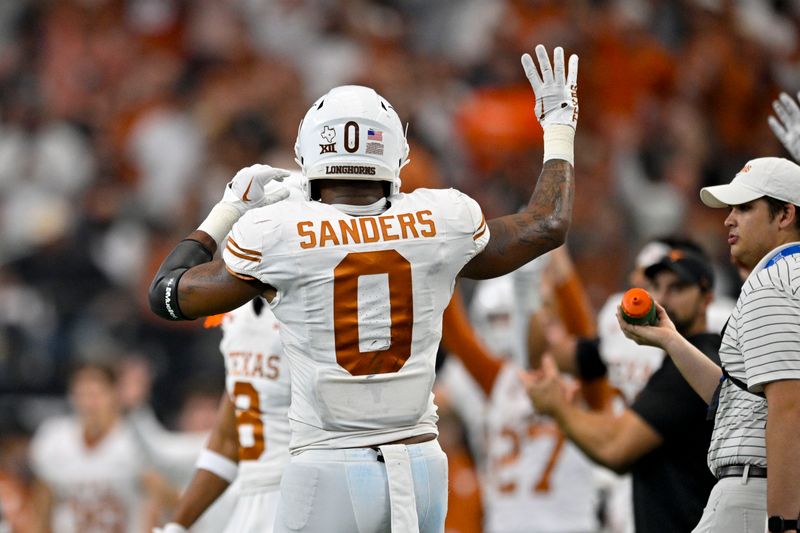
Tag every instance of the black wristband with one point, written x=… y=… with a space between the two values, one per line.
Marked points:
x=587 y=358
x=778 y=523
x=163 y=293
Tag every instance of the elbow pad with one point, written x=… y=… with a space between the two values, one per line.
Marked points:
x=163 y=292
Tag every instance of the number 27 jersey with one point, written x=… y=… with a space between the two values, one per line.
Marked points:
x=360 y=300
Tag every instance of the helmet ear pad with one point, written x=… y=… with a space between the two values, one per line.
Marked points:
x=351 y=133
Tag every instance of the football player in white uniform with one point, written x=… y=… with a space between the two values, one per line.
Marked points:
x=250 y=441
x=531 y=470
x=89 y=467
x=359 y=275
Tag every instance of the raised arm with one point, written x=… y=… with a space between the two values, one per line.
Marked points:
x=787 y=126
x=543 y=224
x=188 y=283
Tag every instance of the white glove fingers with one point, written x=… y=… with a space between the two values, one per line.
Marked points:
x=781 y=112
x=556 y=91
x=572 y=72
x=779 y=131
x=531 y=73
x=558 y=65
x=269 y=171
x=276 y=196
x=791 y=106
x=272 y=175
x=544 y=64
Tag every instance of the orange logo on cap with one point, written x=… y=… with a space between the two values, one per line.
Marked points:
x=675 y=255
x=746 y=168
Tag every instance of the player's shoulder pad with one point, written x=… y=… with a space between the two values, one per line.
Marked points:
x=468 y=210
x=255 y=235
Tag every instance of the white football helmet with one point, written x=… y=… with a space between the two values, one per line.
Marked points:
x=492 y=311
x=351 y=133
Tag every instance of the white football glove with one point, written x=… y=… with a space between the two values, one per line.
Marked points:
x=251 y=187
x=256 y=186
x=556 y=97
x=172 y=527
x=788 y=129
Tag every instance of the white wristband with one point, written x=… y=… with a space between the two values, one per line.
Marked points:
x=220 y=221
x=559 y=143
x=217 y=464
x=172 y=527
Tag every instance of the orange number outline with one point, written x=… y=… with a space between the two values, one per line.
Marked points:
x=345 y=312
x=249 y=417
x=534 y=431
x=542 y=484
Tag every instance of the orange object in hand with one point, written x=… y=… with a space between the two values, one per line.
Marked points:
x=638 y=307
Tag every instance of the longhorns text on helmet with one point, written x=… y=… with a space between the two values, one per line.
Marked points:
x=352 y=133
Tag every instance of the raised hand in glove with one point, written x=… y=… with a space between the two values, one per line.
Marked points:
x=556 y=95
x=256 y=186
x=252 y=187
x=787 y=130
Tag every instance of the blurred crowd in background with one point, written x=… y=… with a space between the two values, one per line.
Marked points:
x=122 y=120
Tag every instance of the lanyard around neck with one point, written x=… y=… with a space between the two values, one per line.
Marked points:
x=786 y=252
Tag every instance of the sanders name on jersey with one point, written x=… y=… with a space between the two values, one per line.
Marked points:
x=364 y=230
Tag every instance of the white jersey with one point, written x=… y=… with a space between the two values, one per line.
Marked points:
x=536 y=479
x=257 y=381
x=629 y=364
x=360 y=300
x=96 y=488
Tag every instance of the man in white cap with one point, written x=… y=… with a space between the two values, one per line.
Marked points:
x=755 y=396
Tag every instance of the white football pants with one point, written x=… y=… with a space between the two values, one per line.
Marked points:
x=348 y=491
x=254 y=512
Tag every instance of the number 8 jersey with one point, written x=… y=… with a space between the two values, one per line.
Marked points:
x=257 y=381
x=360 y=300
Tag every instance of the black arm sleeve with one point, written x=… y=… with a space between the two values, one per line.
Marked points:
x=163 y=293
x=587 y=357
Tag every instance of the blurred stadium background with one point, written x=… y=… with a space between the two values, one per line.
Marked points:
x=121 y=120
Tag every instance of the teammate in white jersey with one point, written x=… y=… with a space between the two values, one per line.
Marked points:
x=89 y=466
x=250 y=440
x=627 y=365
x=531 y=470
x=359 y=276
x=753 y=451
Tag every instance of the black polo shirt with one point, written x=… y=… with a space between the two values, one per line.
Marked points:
x=671 y=484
